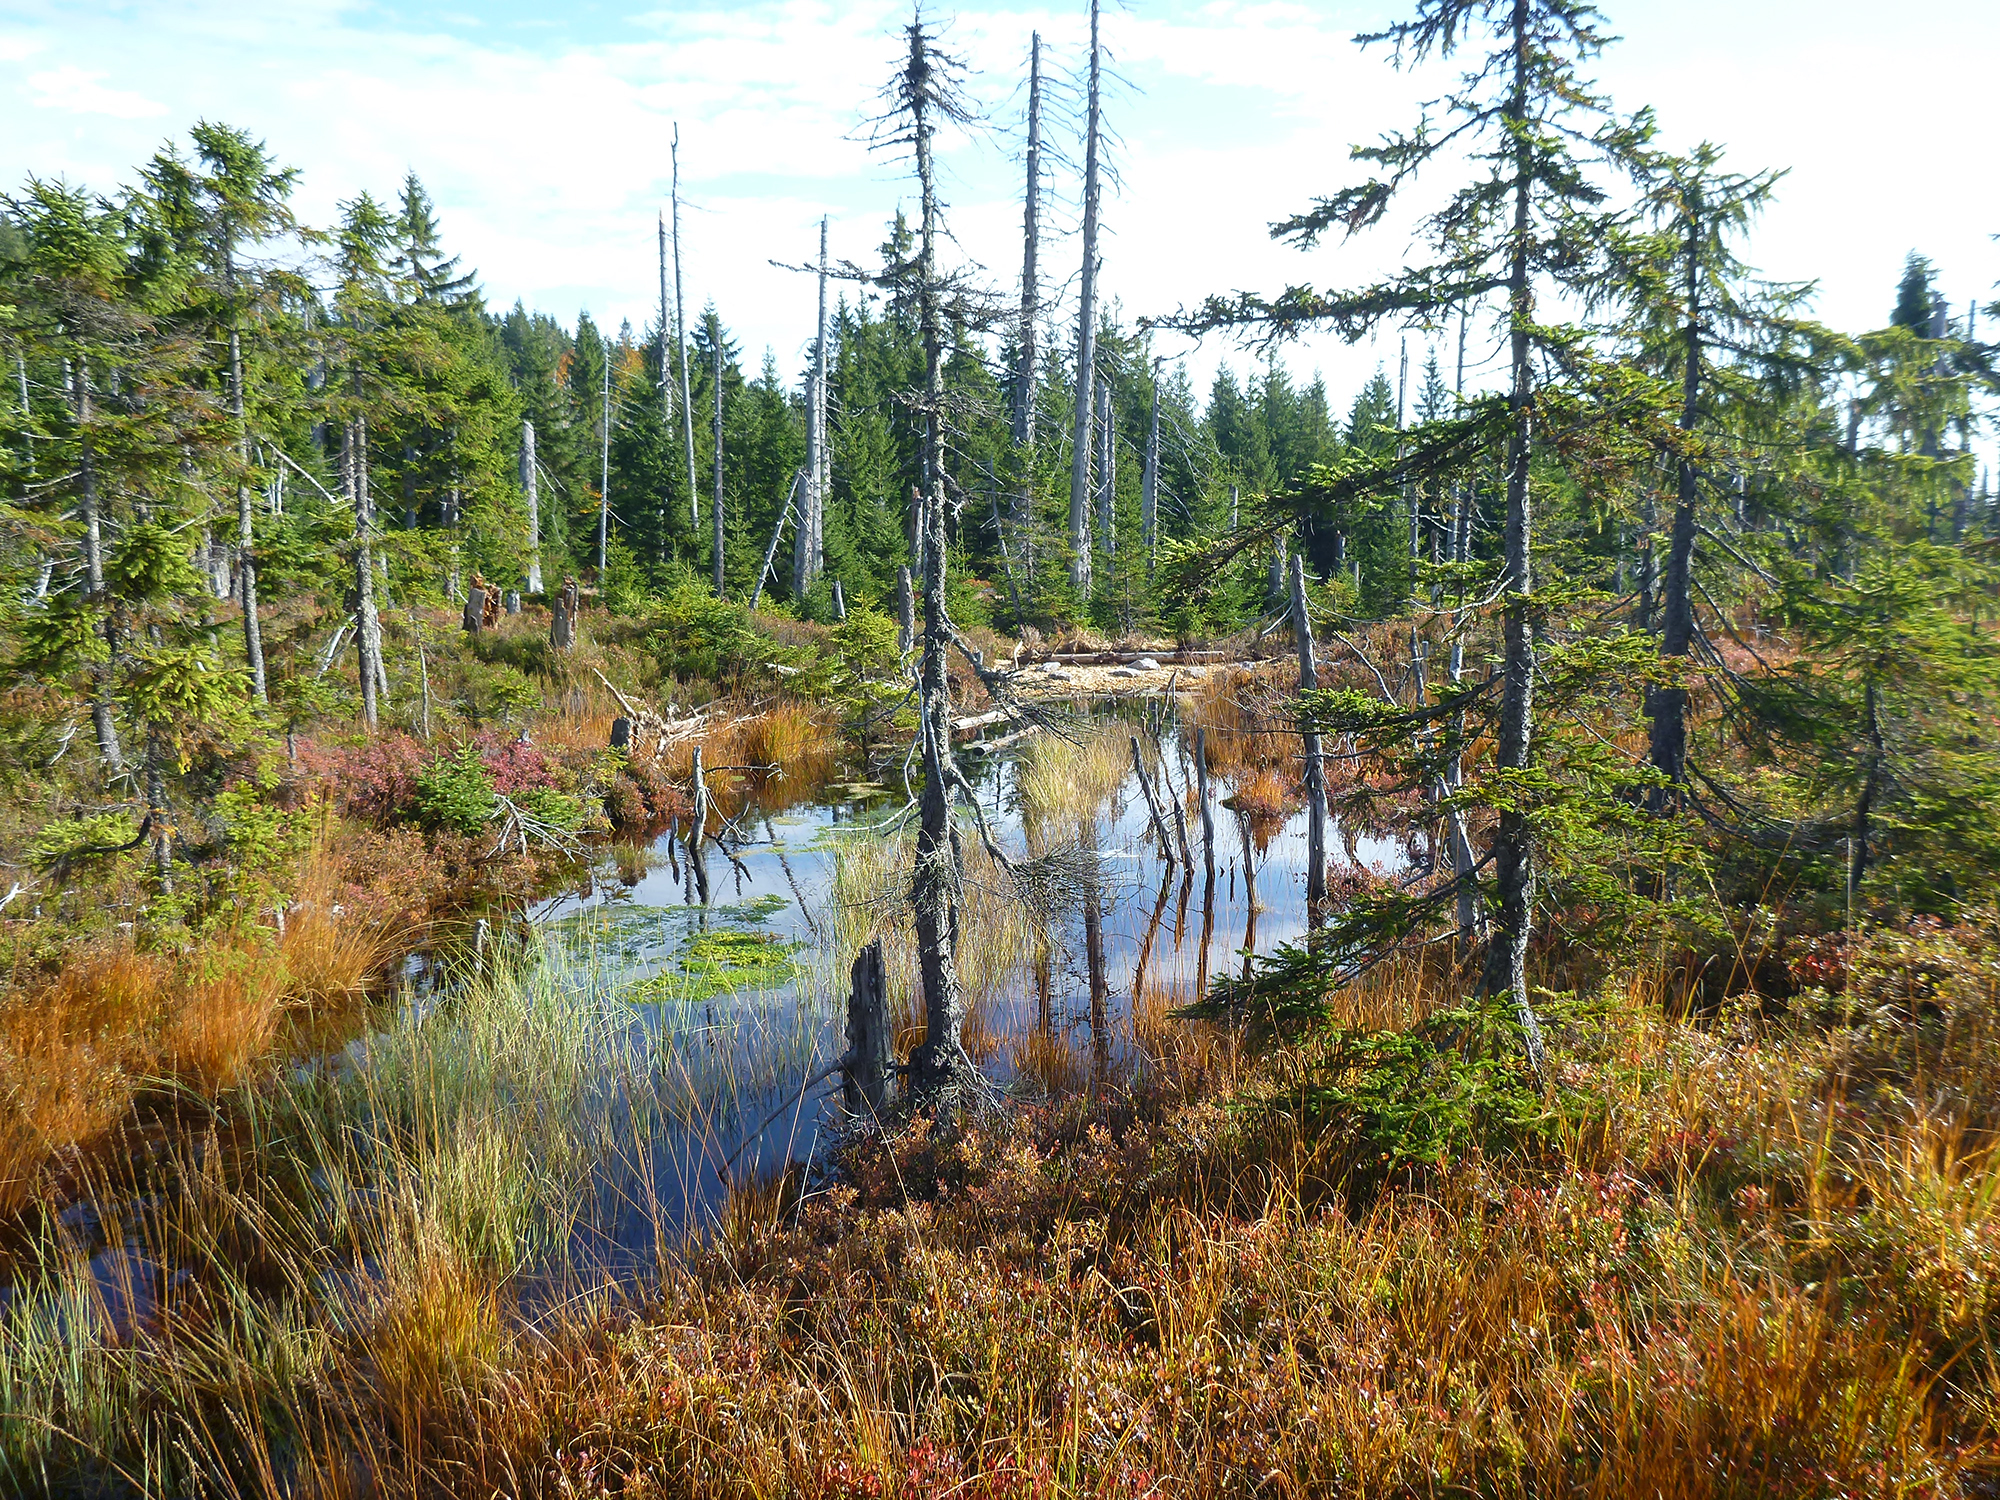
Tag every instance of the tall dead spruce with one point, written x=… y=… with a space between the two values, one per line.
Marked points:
x=921 y=94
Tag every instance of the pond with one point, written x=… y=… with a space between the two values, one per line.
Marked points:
x=603 y=1078
x=739 y=1000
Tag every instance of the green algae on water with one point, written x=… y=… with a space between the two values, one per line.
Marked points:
x=722 y=961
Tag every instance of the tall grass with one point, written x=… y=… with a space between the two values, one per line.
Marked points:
x=341 y=1259
x=79 y=1051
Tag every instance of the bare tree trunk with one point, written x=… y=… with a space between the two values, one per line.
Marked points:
x=1086 y=342
x=157 y=818
x=368 y=632
x=906 y=613
x=1149 y=492
x=1506 y=968
x=1315 y=768
x=698 y=836
x=940 y=1067
x=809 y=540
x=1461 y=844
x=1201 y=796
x=246 y=541
x=1027 y=352
x=102 y=722
x=1107 y=475
x=785 y=511
x=715 y=510
x=1857 y=844
x=531 y=486
x=868 y=1082
x=1667 y=704
x=604 y=479
x=666 y=381
x=680 y=339
x=1159 y=820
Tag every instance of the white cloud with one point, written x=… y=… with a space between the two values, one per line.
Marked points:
x=548 y=151
x=80 y=92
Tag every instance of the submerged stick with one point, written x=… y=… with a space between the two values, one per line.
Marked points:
x=1152 y=804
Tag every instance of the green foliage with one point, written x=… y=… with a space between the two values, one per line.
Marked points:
x=455 y=793
x=698 y=637
x=61 y=840
x=1453 y=1086
x=558 y=811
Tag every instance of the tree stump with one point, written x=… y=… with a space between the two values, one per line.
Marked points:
x=513 y=601
x=475 y=609
x=621 y=733
x=868 y=1080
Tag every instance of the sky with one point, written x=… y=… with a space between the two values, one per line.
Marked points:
x=544 y=135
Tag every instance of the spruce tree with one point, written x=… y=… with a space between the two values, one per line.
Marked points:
x=1703 y=323
x=1528 y=228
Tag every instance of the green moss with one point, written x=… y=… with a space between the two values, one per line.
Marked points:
x=721 y=961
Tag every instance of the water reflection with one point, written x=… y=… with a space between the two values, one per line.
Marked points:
x=1058 y=1015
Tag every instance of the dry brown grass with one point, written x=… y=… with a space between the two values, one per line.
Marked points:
x=77 y=1051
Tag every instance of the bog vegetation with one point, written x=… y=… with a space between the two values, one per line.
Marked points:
x=1637 y=1139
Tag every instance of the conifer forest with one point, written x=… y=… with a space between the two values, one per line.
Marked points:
x=1034 y=903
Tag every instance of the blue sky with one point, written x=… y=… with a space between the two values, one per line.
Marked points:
x=543 y=131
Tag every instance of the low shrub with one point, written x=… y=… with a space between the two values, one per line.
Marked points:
x=454 y=792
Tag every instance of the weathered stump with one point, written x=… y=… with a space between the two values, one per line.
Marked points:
x=868 y=1080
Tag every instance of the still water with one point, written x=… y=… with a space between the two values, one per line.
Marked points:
x=738 y=1065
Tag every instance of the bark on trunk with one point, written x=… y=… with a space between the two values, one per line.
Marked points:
x=1315 y=768
x=680 y=341
x=1668 y=704
x=868 y=1081
x=1857 y=844
x=101 y=719
x=531 y=487
x=940 y=1068
x=1149 y=493
x=368 y=631
x=1086 y=343
x=808 y=542
x=715 y=510
x=1027 y=351
x=1506 y=968
x=246 y=540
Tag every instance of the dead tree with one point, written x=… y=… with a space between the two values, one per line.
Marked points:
x=474 y=618
x=604 y=478
x=1149 y=488
x=368 y=631
x=666 y=379
x=940 y=1069
x=868 y=1081
x=531 y=488
x=1315 y=768
x=715 y=510
x=562 y=617
x=680 y=338
x=1027 y=350
x=1086 y=338
x=809 y=540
